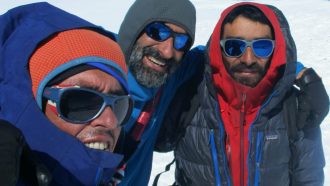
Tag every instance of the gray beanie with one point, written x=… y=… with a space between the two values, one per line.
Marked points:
x=143 y=12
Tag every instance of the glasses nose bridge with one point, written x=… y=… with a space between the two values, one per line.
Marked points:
x=249 y=44
x=108 y=101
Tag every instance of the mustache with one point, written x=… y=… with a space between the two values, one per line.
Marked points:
x=155 y=54
x=96 y=132
x=255 y=67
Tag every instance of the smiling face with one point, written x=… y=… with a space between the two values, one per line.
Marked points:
x=101 y=133
x=152 y=61
x=247 y=69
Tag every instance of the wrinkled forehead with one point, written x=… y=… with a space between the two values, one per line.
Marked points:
x=244 y=28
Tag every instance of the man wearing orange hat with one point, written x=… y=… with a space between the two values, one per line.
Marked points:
x=57 y=65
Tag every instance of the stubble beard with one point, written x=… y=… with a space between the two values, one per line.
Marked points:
x=250 y=82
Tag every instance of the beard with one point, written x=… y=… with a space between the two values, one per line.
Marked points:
x=251 y=81
x=146 y=76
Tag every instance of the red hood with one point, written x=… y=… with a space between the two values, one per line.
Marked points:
x=228 y=88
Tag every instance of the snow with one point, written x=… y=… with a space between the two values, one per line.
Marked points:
x=309 y=22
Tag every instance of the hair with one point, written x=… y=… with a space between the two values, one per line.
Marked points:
x=249 y=12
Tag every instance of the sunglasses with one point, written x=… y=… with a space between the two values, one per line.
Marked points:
x=82 y=105
x=262 y=48
x=160 y=32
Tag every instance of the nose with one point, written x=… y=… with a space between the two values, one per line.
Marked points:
x=166 y=48
x=248 y=57
x=106 y=119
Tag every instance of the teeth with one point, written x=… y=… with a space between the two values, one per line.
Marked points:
x=156 y=61
x=97 y=145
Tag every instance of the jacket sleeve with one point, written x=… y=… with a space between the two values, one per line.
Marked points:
x=181 y=109
x=11 y=145
x=308 y=158
x=172 y=125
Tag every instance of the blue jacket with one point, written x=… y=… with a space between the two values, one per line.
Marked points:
x=138 y=168
x=22 y=29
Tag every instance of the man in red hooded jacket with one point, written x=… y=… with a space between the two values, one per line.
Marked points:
x=232 y=116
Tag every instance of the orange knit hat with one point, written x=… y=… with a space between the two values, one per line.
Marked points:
x=69 y=49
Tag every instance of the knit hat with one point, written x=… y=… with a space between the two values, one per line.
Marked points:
x=143 y=12
x=73 y=48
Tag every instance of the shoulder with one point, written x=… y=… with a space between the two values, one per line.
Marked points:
x=195 y=57
x=196 y=51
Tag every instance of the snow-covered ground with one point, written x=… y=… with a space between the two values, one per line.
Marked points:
x=310 y=27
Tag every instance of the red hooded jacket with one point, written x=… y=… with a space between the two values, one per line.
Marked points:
x=239 y=104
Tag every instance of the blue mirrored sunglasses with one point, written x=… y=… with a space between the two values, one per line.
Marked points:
x=160 y=32
x=262 y=48
x=82 y=105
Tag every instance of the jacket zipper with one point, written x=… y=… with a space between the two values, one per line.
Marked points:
x=258 y=155
x=215 y=159
x=222 y=151
x=99 y=175
x=258 y=158
x=242 y=124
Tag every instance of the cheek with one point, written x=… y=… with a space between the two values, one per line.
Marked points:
x=69 y=128
x=264 y=63
x=116 y=134
x=229 y=62
x=178 y=56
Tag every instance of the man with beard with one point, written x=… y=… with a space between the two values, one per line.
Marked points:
x=64 y=85
x=154 y=36
x=234 y=122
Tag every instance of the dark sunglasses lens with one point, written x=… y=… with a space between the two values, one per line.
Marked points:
x=79 y=105
x=234 y=48
x=121 y=108
x=263 y=48
x=158 y=31
x=181 y=41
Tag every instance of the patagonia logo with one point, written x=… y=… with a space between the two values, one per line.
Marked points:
x=271 y=137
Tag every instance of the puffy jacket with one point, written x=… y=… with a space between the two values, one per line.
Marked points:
x=22 y=29
x=271 y=157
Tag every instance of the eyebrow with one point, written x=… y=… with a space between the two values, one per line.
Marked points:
x=119 y=91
